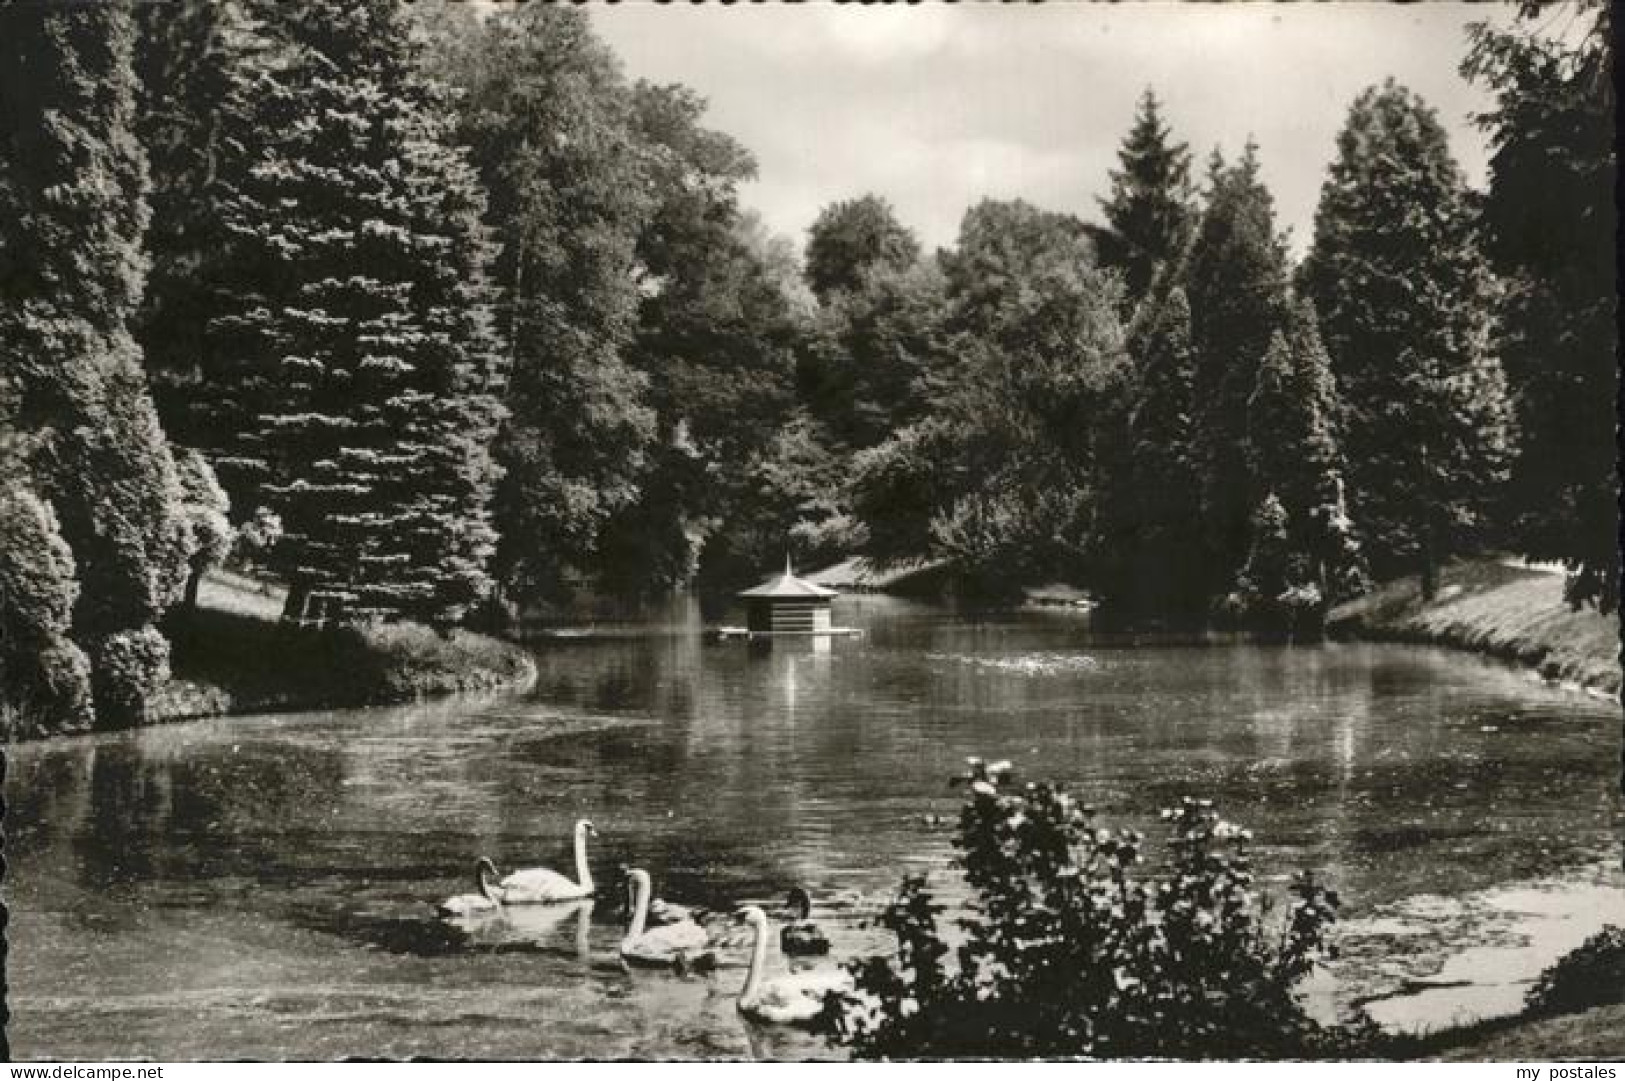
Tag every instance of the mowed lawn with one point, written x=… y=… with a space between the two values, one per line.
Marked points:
x=233 y=655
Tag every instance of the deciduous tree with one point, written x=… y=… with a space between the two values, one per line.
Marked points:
x=849 y=238
x=552 y=128
x=1549 y=221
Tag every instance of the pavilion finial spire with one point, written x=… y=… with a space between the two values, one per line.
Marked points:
x=788 y=572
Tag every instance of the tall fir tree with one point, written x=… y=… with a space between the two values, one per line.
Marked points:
x=1151 y=213
x=352 y=347
x=1295 y=457
x=73 y=209
x=1404 y=297
x=1162 y=502
x=1550 y=223
x=1236 y=280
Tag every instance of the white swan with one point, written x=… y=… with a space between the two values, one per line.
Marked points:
x=540 y=886
x=482 y=903
x=683 y=944
x=543 y=925
x=791 y=999
x=662 y=912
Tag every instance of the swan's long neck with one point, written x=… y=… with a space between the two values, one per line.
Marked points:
x=582 y=950
x=583 y=872
x=482 y=882
x=758 y=963
x=640 y=906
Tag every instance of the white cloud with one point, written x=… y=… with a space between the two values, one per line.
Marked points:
x=936 y=106
x=885 y=33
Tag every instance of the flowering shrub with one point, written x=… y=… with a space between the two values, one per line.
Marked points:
x=1067 y=951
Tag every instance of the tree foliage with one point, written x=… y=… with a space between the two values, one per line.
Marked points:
x=1237 y=284
x=1549 y=224
x=44 y=676
x=186 y=60
x=873 y=352
x=552 y=128
x=1403 y=295
x=717 y=338
x=205 y=513
x=1151 y=212
x=73 y=183
x=1297 y=459
x=1034 y=351
x=850 y=238
x=352 y=354
x=1155 y=539
x=1068 y=949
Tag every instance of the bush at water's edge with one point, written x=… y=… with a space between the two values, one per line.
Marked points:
x=232 y=655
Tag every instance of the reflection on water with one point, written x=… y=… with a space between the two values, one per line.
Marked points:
x=262 y=887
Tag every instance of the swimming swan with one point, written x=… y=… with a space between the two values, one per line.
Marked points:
x=540 y=886
x=718 y=925
x=482 y=903
x=682 y=945
x=791 y=999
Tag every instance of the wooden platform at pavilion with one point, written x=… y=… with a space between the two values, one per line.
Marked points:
x=745 y=633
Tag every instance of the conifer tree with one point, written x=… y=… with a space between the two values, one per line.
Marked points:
x=1272 y=578
x=1295 y=458
x=44 y=676
x=354 y=352
x=1237 y=284
x=72 y=212
x=1151 y=212
x=1404 y=298
x=1165 y=532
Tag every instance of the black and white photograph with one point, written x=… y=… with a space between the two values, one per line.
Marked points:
x=672 y=532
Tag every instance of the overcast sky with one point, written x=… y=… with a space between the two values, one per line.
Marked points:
x=936 y=106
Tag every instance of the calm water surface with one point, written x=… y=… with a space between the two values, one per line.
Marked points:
x=259 y=887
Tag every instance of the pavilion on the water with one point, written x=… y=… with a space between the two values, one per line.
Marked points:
x=785 y=604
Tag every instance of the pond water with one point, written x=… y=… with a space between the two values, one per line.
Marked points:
x=259 y=887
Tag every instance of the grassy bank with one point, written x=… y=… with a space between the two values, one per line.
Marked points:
x=232 y=656
x=1597 y=1033
x=1509 y=611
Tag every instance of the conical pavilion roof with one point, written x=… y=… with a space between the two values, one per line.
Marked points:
x=788 y=587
